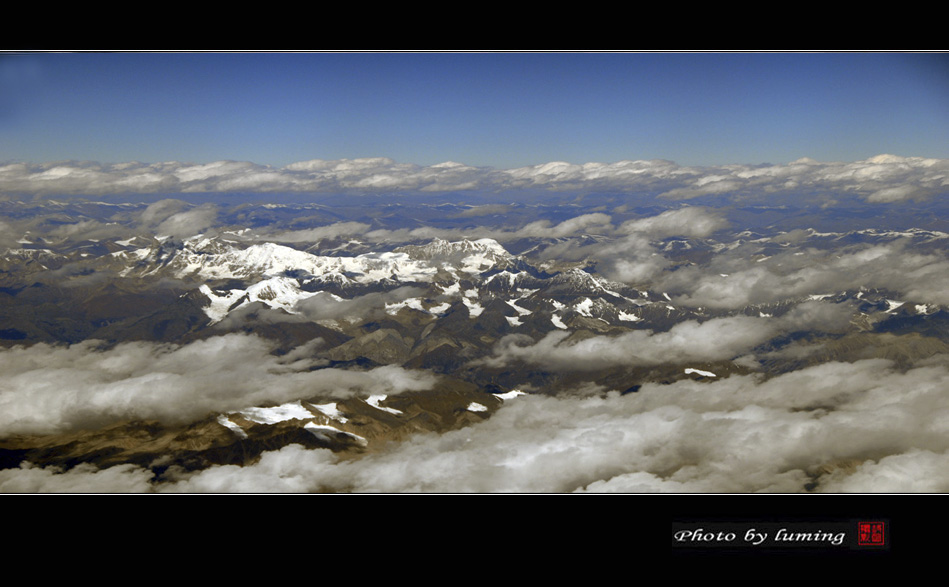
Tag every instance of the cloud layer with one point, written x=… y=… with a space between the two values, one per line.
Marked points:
x=839 y=426
x=836 y=427
x=731 y=281
x=49 y=389
x=861 y=426
x=718 y=339
x=884 y=178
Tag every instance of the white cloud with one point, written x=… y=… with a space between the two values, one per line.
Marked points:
x=835 y=427
x=586 y=223
x=334 y=230
x=690 y=221
x=188 y=223
x=717 y=339
x=730 y=281
x=916 y=471
x=899 y=194
x=738 y=434
x=49 y=389
x=713 y=340
x=885 y=178
x=83 y=478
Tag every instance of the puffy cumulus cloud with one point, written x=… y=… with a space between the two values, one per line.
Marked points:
x=555 y=171
x=485 y=210
x=382 y=173
x=10 y=233
x=585 y=223
x=75 y=177
x=899 y=194
x=85 y=229
x=223 y=176
x=83 y=478
x=916 y=471
x=817 y=316
x=49 y=389
x=690 y=222
x=639 y=268
x=309 y=235
x=633 y=259
x=837 y=427
x=84 y=177
x=603 y=176
x=156 y=212
x=717 y=339
x=884 y=178
x=631 y=255
x=188 y=223
x=595 y=223
x=698 y=287
x=176 y=218
x=8 y=236
x=705 y=186
x=730 y=281
x=194 y=174
x=712 y=340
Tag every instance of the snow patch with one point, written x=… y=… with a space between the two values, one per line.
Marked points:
x=220 y=304
x=511 y=277
x=276 y=292
x=474 y=308
x=414 y=303
x=521 y=311
x=451 y=290
x=629 y=317
x=282 y=413
x=374 y=401
x=331 y=411
x=584 y=307
x=510 y=395
x=224 y=421
x=212 y=259
x=328 y=433
x=892 y=306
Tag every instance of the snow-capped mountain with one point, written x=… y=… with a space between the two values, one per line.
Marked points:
x=215 y=258
x=476 y=318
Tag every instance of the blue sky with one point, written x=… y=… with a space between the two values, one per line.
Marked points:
x=501 y=110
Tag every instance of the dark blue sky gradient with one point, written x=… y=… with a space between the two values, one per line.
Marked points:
x=487 y=109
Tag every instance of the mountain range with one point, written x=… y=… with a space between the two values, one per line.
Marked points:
x=179 y=337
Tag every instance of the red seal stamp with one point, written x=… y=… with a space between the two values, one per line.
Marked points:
x=871 y=534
